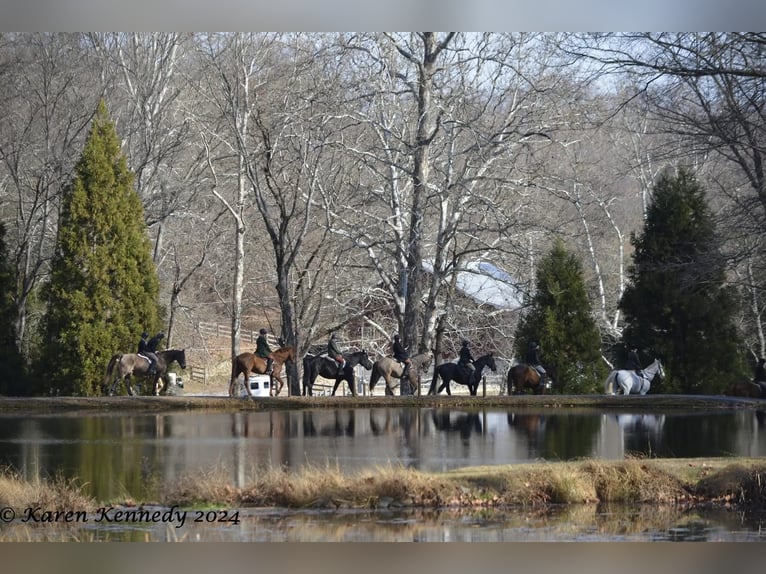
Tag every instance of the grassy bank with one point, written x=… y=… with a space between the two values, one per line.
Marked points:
x=737 y=483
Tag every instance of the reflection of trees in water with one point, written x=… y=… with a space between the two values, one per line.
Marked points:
x=556 y=436
x=700 y=435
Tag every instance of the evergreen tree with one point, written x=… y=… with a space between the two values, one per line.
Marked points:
x=560 y=319
x=11 y=361
x=104 y=288
x=677 y=306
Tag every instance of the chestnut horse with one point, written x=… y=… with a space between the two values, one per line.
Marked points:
x=523 y=376
x=247 y=363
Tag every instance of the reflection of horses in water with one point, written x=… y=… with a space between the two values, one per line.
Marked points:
x=389 y=368
x=631 y=383
x=321 y=365
x=449 y=372
x=247 y=363
x=523 y=376
x=533 y=425
x=464 y=423
x=124 y=367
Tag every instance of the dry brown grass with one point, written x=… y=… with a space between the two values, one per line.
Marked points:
x=53 y=494
x=632 y=481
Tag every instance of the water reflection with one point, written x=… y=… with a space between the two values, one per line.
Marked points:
x=118 y=456
x=571 y=523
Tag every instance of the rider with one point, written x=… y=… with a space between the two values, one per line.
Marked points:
x=466 y=359
x=400 y=354
x=145 y=349
x=334 y=352
x=533 y=360
x=263 y=350
x=634 y=363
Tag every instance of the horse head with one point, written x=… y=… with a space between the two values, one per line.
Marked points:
x=364 y=360
x=182 y=358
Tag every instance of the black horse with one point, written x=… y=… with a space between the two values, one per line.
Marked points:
x=460 y=374
x=324 y=366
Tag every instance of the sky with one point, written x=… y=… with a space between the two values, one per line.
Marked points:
x=379 y=15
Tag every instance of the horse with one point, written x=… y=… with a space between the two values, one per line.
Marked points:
x=523 y=376
x=324 y=366
x=456 y=372
x=125 y=366
x=630 y=382
x=750 y=389
x=247 y=363
x=388 y=368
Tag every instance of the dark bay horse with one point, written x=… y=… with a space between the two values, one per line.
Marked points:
x=389 y=368
x=321 y=365
x=247 y=363
x=125 y=366
x=449 y=372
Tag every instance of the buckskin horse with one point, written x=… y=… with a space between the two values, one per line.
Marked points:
x=324 y=366
x=389 y=368
x=247 y=363
x=449 y=372
x=122 y=367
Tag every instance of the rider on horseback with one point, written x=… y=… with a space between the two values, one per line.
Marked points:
x=263 y=350
x=149 y=349
x=634 y=363
x=466 y=359
x=400 y=354
x=533 y=360
x=334 y=352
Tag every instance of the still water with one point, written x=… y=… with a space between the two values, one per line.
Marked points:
x=117 y=457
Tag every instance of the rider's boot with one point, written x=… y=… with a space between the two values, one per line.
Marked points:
x=341 y=368
x=269 y=366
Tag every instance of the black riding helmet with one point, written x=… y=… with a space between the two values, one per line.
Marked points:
x=262 y=331
x=464 y=343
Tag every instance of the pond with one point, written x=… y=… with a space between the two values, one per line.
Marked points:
x=120 y=456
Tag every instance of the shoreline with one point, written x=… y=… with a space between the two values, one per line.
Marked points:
x=123 y=404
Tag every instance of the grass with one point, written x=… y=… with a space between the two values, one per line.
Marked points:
x=685 y=482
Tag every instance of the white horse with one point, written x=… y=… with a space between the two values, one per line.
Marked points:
x=630 y=382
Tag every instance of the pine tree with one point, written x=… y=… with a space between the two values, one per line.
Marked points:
x=560 y=319
x=11 y=361
x=677 y=306
x=104 y=289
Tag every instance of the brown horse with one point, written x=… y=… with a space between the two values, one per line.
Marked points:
x=523 y=376
x=247 y=363
x=389 y=368
x=745 y=389
x=124 y=367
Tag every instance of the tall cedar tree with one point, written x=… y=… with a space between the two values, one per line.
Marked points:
x=11 y=361
x=677 y=306
x=560 y=319
x=104 y=288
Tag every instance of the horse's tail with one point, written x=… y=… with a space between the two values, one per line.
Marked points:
x=110 y=367
x=374 y=375
x=609 y=385
x=434 y=381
